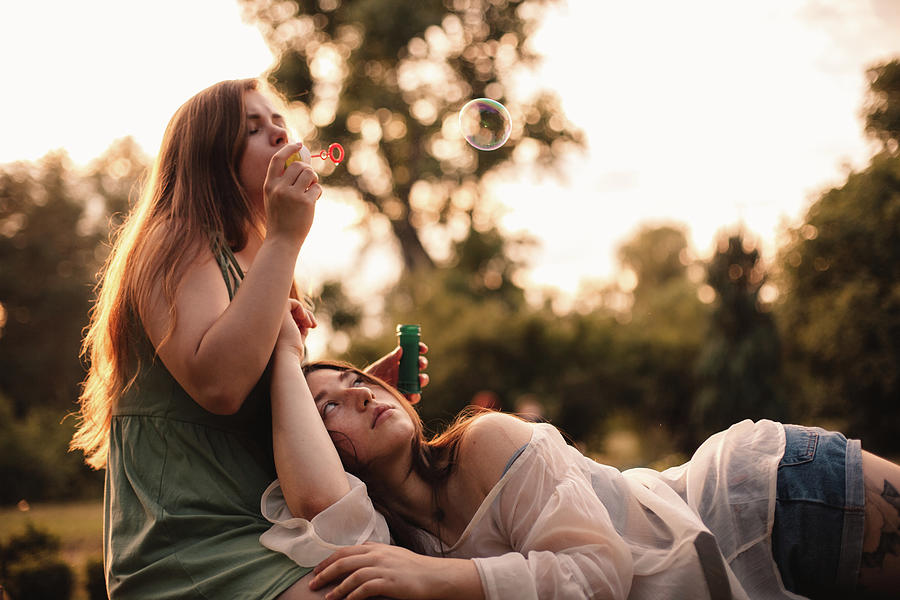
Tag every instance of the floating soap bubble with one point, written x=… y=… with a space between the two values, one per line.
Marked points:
x=334 y=153
x=485 y=123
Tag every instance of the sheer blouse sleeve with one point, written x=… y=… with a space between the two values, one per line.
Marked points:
x=564 y=540
x=349 y=521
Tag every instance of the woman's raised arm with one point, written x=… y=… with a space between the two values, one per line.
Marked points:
x=218 y=349
x=309 y=469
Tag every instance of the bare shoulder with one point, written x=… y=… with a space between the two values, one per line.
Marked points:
x=498 y=429
x=200 y=296
x=489 y=443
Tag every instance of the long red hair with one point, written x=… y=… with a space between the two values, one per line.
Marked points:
x=192 y=198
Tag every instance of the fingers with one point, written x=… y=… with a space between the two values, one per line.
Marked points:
x=303 y=317
x=338 y=565
x=335 y=556
x=297 y=175
x=397 y=353
x=276 y=165
x=423 y=349
x=371 y=570
x=364 y=583
x=302 y=176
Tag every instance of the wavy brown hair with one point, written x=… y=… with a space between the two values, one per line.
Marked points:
x=192 y=199
x=433 y=459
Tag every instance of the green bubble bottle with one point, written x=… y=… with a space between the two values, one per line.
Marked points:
x=408 y=376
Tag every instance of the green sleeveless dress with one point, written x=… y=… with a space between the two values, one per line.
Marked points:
x=182 y=500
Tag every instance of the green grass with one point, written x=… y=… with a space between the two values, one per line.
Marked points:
x=79 y=526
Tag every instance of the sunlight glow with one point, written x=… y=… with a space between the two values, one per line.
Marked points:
x=708 y=113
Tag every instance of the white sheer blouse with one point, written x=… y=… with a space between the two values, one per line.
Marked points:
x=559 y=525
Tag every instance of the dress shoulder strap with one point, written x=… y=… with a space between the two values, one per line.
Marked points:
x=228 y=264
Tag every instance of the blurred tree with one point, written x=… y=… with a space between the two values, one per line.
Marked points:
x=47 y=259
x=840 y=284
x=882 y=112
x=740 y=364
x=664 y=331
x=53 y=220
x=658 y=258
x=584 y=368
x=114 y=179
x=465 y=311
x=387 y=79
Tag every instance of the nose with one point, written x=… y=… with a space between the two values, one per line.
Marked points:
x=361 y=396
x=278 y=135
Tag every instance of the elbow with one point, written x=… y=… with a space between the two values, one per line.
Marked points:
x=308 y=506
x=220 y=388
x=219 y=400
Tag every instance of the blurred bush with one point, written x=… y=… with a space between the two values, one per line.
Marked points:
x=34 y=460
x=31 y=568
x=96 y=579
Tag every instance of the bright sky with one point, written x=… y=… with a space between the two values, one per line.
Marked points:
x=704 y=112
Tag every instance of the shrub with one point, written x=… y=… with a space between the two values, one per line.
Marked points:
x=96 y=579
x=42 y=577
x=33 y=542
x=31 y=569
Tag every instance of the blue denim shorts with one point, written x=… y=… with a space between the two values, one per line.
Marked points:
x=819 y=511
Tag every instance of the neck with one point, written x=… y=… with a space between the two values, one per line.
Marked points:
x=406 y=494
x=248 y=253
x=253 y=245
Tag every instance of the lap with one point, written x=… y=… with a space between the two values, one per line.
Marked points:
x=301 y=591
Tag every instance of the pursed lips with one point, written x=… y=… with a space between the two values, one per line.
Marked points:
x=379 y=410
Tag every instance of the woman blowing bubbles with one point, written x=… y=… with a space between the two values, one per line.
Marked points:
x=499 y=508
x=176 y=403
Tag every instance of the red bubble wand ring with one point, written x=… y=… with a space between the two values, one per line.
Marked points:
x=334 y=153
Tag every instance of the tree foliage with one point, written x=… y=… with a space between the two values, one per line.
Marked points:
x=883 y=106
x=739 y=367
x=584 y=368
x=386 y=80
x=841 y=303
x=840 y=284
x=47 y=266
x=54 y=223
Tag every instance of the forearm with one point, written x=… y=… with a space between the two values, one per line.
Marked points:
x=308 y=466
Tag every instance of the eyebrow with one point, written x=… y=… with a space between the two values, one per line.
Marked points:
x=344 y=375
x=258 y=116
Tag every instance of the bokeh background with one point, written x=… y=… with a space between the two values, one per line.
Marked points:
x=695 y=221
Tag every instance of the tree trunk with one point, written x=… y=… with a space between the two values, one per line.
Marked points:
x=415 y=257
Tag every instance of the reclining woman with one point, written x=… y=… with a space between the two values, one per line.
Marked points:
x=496 y=507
